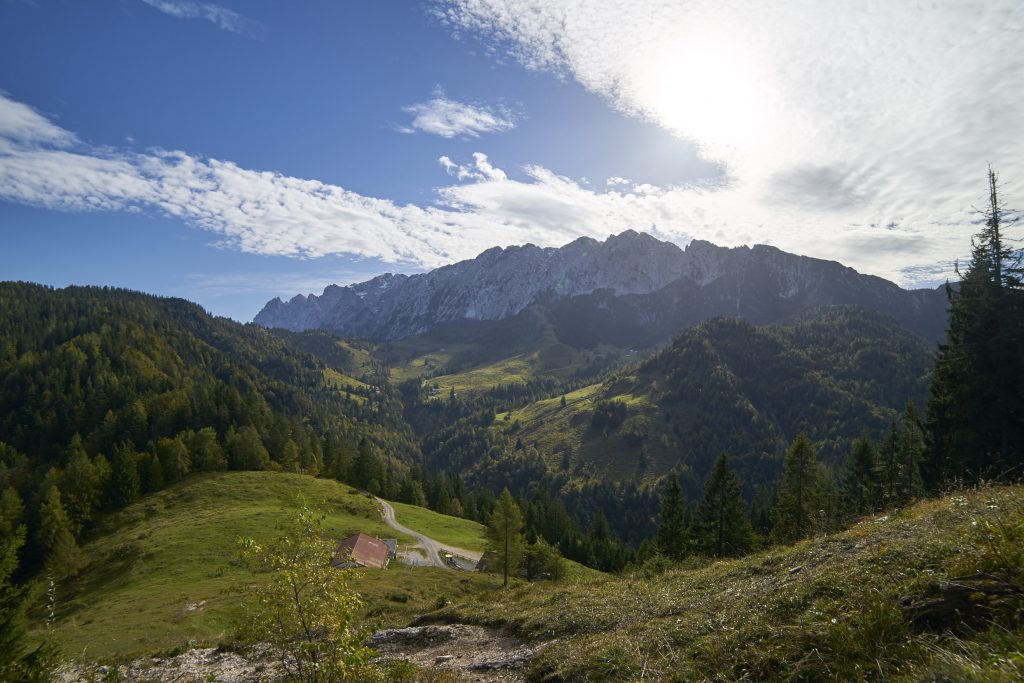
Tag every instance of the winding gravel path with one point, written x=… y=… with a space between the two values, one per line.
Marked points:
x=433 y=548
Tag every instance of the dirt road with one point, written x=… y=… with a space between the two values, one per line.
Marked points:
x=430 y=546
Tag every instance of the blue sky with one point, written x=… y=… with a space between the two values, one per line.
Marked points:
x=231 y=152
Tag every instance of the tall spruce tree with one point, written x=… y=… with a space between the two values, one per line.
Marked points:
x=81 y=486
x=672 y=533
x=860 y=478
x=724 y=529
x=123 y=484
x=889 y=463
x=16 y=662
x=798 y=504
x=911 y=452
x=975 y=416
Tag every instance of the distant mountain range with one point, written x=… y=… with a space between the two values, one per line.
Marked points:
x=631 y=289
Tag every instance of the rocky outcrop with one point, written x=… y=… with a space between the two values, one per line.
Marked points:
x=192 y=666
x=457 y=647
x=634 y=269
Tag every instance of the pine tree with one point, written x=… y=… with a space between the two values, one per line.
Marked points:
x=724 y=527
x=15 y=663
x=367 y=466
x=798 y=502
x=246 y=450
x=12 y=608
x=123 y=485
x=290 y=456
x=175 y=460
x=207 y=455
x=504 y=534
x=889 y=463
x=12 y=512
x=672 y=531
x=151 y=473
x=81 y=485
x=975 y=416
x=911 y=451
x=860 y=478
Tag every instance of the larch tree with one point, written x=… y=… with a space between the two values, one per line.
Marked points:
x=505 y=534
x=56 y=536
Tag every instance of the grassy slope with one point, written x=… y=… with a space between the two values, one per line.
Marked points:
x=555 y=361
x=474 y=356
x=177 y=548
x=553 y=429
x=465 y=533
x=343 y=382
x=461 y=533
x=824 y=608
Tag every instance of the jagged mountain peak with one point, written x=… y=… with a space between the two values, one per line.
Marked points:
x=760 y=282
x=498 y=283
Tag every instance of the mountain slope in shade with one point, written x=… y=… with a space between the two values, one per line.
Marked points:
x=631 y=289
x=112 y=365
x=724 y=385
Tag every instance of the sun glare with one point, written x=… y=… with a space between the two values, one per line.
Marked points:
x=704 y=88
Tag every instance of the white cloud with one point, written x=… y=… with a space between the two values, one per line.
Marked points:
x=828 y=117
x=21 y=122
x=481 y=169
x=223 y=17
x=448 y=118
x=269 y=213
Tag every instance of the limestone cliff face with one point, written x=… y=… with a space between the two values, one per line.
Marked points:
x=496 y=284
x=630 y=267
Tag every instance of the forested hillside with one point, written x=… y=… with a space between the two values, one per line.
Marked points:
x=106 y=394
x=725 y=385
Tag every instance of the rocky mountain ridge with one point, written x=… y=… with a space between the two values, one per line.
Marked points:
x=641 y=280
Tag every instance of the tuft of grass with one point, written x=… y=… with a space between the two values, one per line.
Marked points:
x=997 y=534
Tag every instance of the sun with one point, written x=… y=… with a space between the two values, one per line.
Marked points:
x=706 y=87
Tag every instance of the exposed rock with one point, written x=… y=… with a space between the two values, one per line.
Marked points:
x=965 y=601
x=196 y=665
x=657 y=283
x=419 y=636
x=459 y=647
